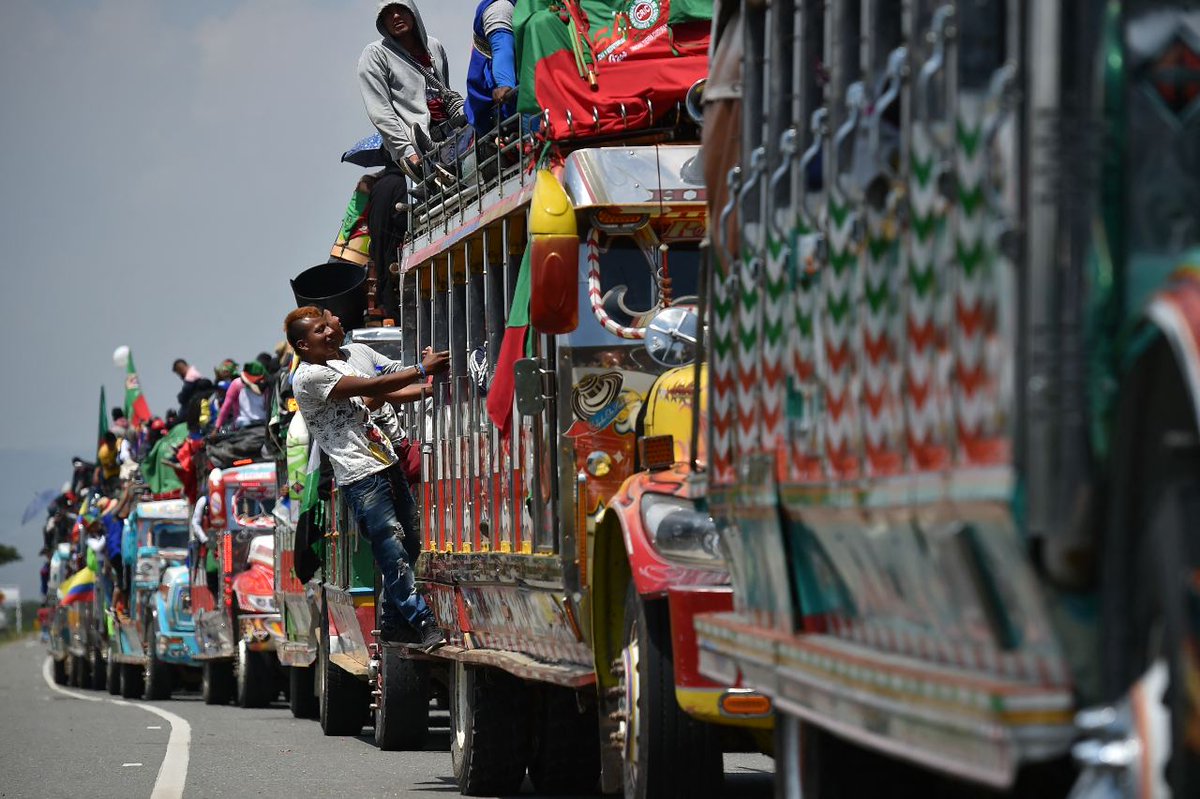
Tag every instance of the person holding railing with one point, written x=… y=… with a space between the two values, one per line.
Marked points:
x=336 y=400
x=492 y=73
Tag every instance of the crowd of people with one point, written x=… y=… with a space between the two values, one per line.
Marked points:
x=88 y=522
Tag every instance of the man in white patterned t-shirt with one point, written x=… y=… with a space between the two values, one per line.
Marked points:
x=336 y=400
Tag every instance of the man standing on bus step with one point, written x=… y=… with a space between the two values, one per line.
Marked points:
x=333 y=397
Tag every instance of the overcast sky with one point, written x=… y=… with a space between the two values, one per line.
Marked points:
x=165 y=167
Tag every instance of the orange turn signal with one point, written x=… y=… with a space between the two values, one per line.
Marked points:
x=658 y=452
x=744 y=703
x=243 y=461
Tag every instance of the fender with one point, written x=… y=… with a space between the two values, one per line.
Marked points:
x=1175 y=312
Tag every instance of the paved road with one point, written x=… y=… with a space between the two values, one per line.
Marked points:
x=59 y=744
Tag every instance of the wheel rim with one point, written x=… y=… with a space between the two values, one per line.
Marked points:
x=631 y=658
x=461 y=698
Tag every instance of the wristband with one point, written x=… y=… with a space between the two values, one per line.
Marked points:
x=420 y=367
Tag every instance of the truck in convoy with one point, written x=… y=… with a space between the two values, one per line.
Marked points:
x=236 y=616
x=560 y=552
x=153 y=645
x=954 y=393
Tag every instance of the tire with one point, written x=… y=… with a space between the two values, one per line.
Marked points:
x=216 y=682
x=665 y=753
x=133 y=681
x=489 y=730
x=80 y=672
x=302 y=696
x=344 y=700
x=255 y=678
x=98 y=670
x=402 y=705
x=1151 y=554
x=566 y=743
x=113 y=681
x=158 y=674
x=60 y=671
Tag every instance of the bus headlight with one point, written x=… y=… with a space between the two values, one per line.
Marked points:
x=678 y=531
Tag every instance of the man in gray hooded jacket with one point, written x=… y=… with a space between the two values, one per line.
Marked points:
x=404 y=78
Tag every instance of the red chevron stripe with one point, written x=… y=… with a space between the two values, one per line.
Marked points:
x=877 y=348
x=923 y=336
x=971 y=320
x=839 y=358
x=972 y=380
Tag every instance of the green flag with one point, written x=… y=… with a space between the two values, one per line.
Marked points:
x=103 y=427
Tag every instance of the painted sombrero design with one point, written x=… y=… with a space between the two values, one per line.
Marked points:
x=594 y=392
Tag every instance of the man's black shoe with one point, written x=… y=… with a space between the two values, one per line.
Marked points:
x=397 y=634
x=431 y=635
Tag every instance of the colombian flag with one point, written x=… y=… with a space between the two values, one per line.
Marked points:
x=79 y=587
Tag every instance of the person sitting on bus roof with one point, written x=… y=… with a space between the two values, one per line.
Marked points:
x=245 y=403
x=492 y=73
x=403 y=78
x=332 y=397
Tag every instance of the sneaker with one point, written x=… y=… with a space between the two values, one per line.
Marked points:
x=431 y=635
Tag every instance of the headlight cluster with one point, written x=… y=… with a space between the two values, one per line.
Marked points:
x=680 y=532
x=257 y=604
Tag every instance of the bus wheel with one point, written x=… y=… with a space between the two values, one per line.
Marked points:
x=302 y=695
x=60 y=671
x=98 y=671
x=489 y=730
x=566 y=742
x=216 y=682
x=158 y=674
x=344 y=697
x=255 y=682
x=401 y=702
x=113 y=681
x=79 y=672
x=133 y=681
x=665 y=752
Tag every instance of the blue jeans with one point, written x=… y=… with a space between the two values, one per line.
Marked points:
x=374 y=507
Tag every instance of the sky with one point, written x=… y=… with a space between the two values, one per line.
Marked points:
x=165 y=168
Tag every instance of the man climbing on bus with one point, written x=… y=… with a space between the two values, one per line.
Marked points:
x=333 y=397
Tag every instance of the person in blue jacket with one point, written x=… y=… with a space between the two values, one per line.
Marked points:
x=492 y=73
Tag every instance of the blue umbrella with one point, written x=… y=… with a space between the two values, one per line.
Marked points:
x=39 y=503
x=367 y=152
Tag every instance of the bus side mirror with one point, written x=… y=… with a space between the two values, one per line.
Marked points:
x=527 y=386
x=553 y=258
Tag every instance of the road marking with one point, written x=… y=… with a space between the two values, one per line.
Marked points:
x=127 y=765
x=172 y=774
x=154 y=726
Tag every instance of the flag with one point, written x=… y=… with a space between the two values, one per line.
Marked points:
x=608 y=66
x=310 y=525
x=103 y=427
x=157 y=470
x=136 y=408
x=512 y=349
x=79 y=587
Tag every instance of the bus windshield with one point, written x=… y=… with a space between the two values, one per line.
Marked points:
x=628 y=287
x=170 y=535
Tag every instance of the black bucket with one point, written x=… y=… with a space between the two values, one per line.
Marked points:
x=340 y=288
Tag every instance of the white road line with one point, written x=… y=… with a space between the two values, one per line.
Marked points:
x=128 y=765
x=154 y=726
x=172 y=774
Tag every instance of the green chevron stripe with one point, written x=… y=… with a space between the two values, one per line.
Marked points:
x=838 y=307
x=970 y=200
x=922 y=170
x=922 y=280
x=968 y=139
x=970 y=259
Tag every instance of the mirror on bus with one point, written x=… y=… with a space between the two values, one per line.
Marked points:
x=671 y=336
x=527 y=385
